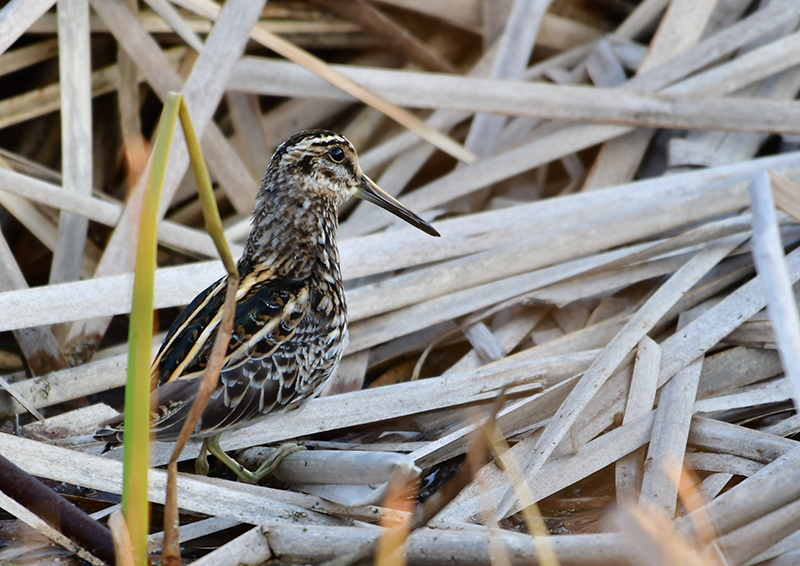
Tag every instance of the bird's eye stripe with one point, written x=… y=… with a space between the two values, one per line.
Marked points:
x=325 y=142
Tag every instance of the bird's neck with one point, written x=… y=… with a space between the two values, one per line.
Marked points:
x=295 y=239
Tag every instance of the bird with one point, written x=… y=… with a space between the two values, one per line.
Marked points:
x=290 y=323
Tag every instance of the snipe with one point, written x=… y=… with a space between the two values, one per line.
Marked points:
x=290 y=327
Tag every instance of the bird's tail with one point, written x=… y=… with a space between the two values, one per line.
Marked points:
x=170 y=402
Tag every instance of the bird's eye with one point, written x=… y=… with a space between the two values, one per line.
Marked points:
x=337 y=155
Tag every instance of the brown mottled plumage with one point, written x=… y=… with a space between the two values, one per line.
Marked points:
x=290 y=327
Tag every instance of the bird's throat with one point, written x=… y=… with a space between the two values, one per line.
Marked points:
x=307 y=247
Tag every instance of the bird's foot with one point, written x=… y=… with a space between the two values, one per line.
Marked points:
x=274 y=460
x=266 y=467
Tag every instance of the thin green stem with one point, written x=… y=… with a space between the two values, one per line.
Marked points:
x=206 y=192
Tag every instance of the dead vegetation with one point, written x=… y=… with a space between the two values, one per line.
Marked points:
x=608 y=176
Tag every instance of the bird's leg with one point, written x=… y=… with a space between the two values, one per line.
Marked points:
x=201 y=464
x=245 y=475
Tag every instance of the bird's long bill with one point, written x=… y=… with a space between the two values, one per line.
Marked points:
x=371 y=192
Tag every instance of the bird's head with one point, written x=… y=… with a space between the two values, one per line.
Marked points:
x=323 y=165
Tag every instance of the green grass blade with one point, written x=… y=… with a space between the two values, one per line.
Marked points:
x=137 y=390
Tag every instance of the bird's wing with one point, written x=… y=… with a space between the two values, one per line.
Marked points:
x=268 y=311
x=186 y=328
x=276 y=357
x=282 y=379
